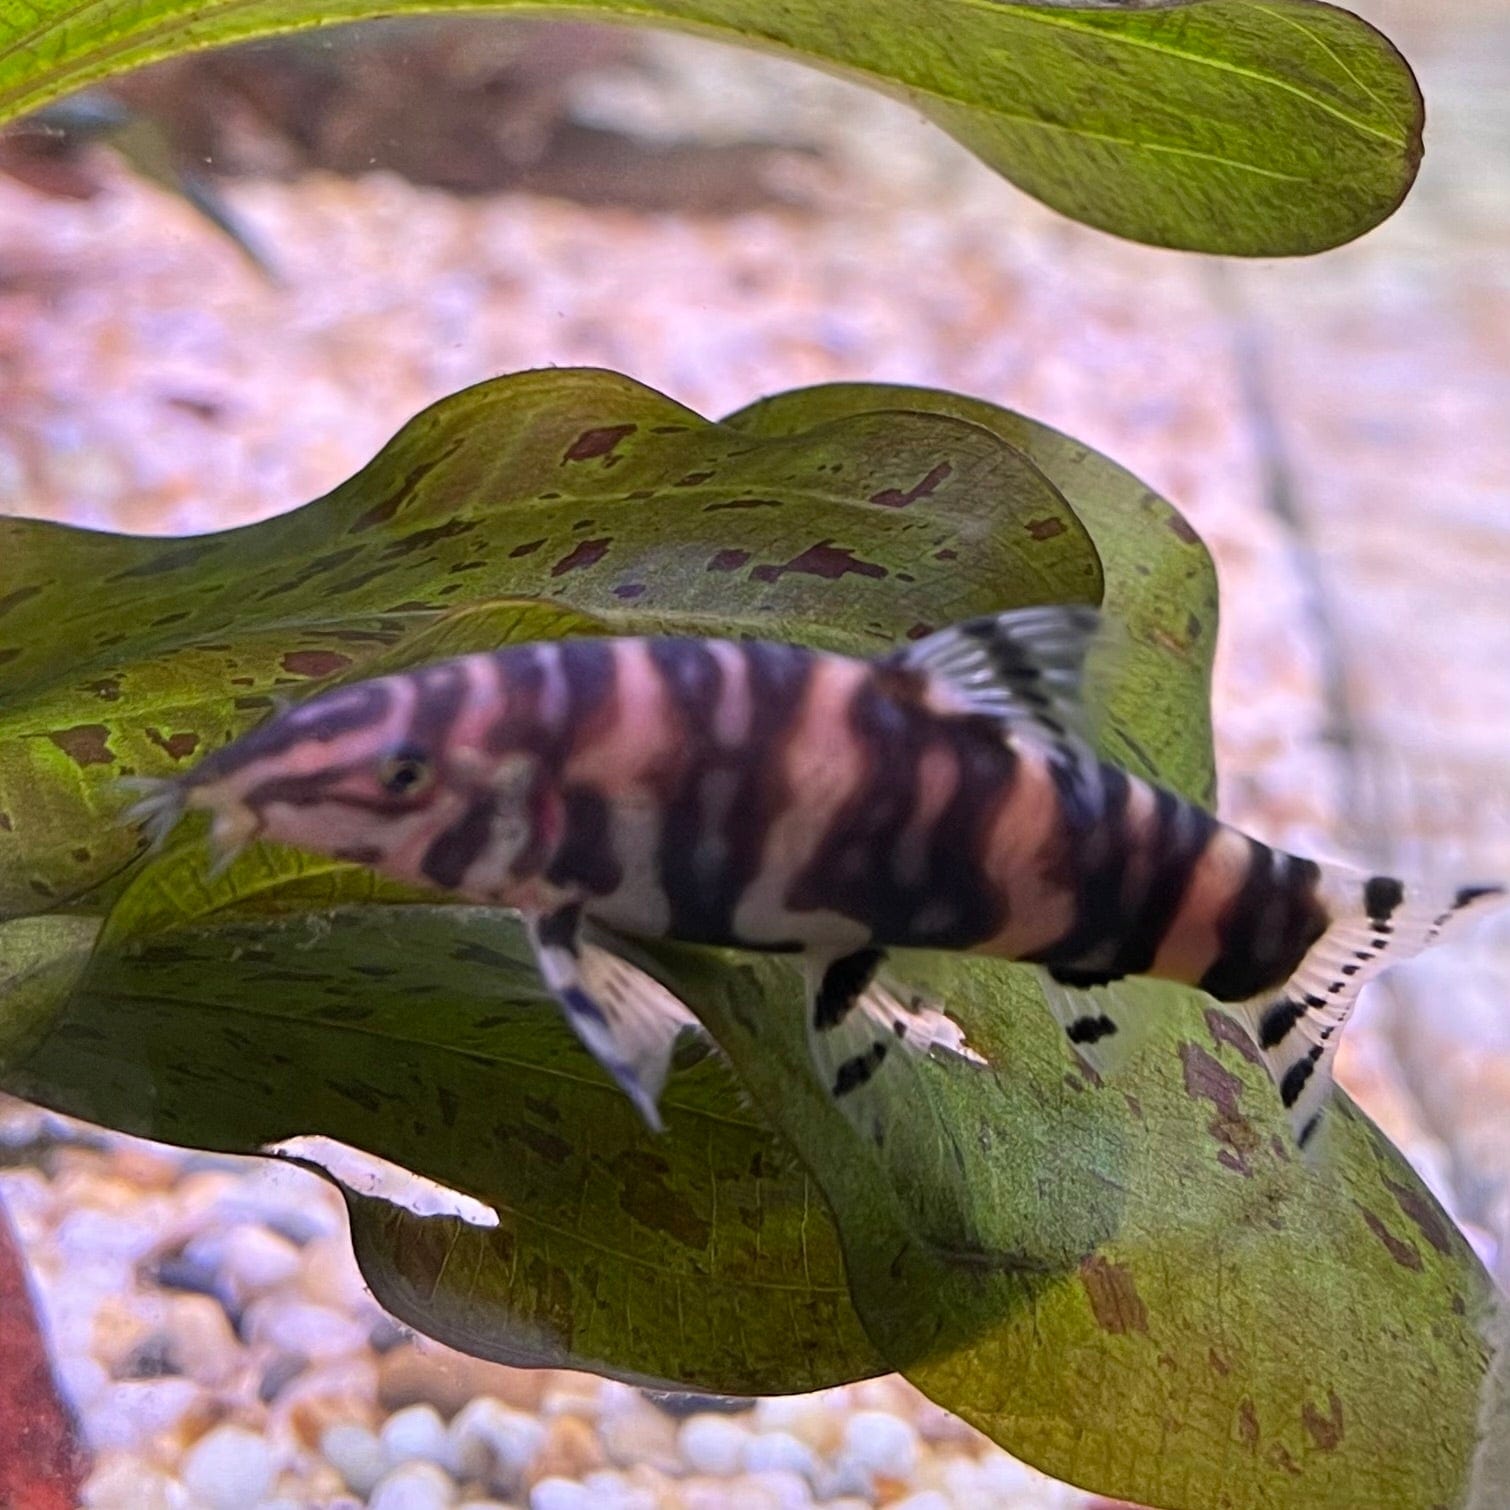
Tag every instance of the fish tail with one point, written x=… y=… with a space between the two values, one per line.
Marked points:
x=1376 y=922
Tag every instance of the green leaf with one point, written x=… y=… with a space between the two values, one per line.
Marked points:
x=268 y=1003
x=577 y=487
x=1214 y=125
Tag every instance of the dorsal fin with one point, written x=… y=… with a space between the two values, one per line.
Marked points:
x=1024 y=668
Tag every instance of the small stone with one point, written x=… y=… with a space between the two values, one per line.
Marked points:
x=295 y=1326
x=929 y=1499
x=790 y=1491
x=482 y=1505
x=329 y=1276
x=571 y=1450
x=882 y=1444
x=229 y=1468
x=357 y=1455
x=494 y=1444
x=713 y=1445
x=331 y=1394
x=640 y=1435
x=422 y=1371
x=415 y=1433
x=279 y=1373
x=81 y=1379
x=780 y=1450
x=562 y=1494
x=254 y=1260
x=200 y=1340
x=414 y=1486
x=817 y=1419
x=131 y=1413
x=122 y=1482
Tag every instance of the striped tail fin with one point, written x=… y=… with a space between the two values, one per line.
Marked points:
x=1378 y=921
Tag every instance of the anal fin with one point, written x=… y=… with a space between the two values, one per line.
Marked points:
x=625 y=1018
x=1103 y=1022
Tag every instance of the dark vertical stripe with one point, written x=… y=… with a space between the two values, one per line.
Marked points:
x=454 y=850
x=1270 y=923
x=439 y=692
x=585 y=856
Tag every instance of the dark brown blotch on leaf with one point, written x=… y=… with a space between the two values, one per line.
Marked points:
x=1115 y=1302
x=730 y=560
x=175 y=746
x=1247 y=1423
x=1324 y=1430
x=314 y=663
x=1404 y=1253
x=1417 y=1206
x=1224 y=1031
x=527 y=549
x=587 y=553
x=85 y=744
x=825 y=560
x=895 y=498
x=600 y=442
x=1045 y=529
x=16 y=599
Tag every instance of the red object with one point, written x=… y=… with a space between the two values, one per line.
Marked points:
x=42 y=1465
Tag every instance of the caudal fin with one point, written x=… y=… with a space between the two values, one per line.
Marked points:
x=1378 y=922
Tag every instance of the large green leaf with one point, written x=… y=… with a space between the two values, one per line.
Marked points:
x=576 y=486
x=404 y=1028
x=1216 y=125
x=1135 y=1285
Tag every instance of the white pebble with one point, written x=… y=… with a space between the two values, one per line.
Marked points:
x=356 y=1454
x=130 y=1413
x=201 y=1340
x=494 y=1443
x=416 y=1432
x=780 y=1450
x=254 y=1259
x=229 y=1468
x=712 y=1444
x=929 y=1499
x=788 y=1490
x=414 y=1486
x=881 y=1443
x=562 y=1494
x=126 y=1483
x=81 y=1379
x=295 y=1326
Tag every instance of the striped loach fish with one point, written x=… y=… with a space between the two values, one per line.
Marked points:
x=766 y=796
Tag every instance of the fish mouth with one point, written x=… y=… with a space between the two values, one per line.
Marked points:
x=160 y=803
x=162 y=800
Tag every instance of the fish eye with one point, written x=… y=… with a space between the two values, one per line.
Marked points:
x=405 y=773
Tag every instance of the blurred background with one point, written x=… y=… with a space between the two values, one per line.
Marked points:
x=228 y=280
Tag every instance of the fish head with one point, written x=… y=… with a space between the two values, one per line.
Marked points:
x=356 y=773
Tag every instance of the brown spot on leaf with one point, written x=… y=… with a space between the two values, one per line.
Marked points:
x=107 y=689
x=176 y=746
x=1115 y=1302
x=825 y=560
x=527 y=549
x=1406 y=1254
x=692 y=479
x=629 y=590
x=9 y=653
x=420 y=540
x=586 y=553
x=1181 y=526
x=730 y=560
x=16 y=599
x=919 y=631
x=314 y=663
x=1247 y=1423
x=1045 y=529
x=599 y=442
x=1218 y=1363
x=85 y=744
x=742 y=503
x=166 y=561
x=1208 y=1080
x=1418 y=1207
x=947 y=554
x=1233 y=1161
x=1324 y=1430
x=895 y=498
x=6 y=823
x=80 y=854
x=645 y=1194
x=1224 y=1030
x=1280 y=1457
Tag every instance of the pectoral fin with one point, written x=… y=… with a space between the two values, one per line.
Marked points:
x=628 y=1021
